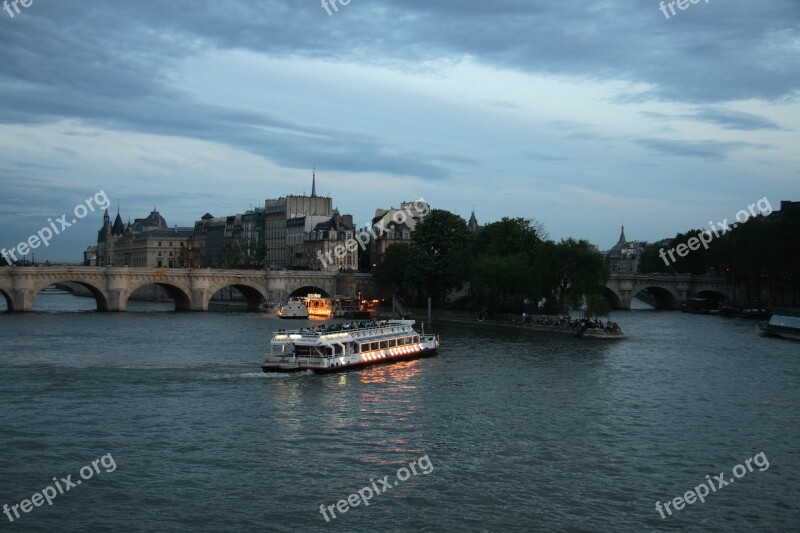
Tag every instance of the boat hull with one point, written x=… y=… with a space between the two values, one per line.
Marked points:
x=293 y=367
x=782 y=333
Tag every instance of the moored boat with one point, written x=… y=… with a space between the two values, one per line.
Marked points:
x=783 y=324
x=293 y=308
x=697 y=306
x=353 y=308
x=318 y=306
x=268 y=307
x=348 y=346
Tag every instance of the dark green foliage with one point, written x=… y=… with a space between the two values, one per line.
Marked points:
x=391 y=273
x=440 y=254
x=569 y=270
x=763 y=252
x=506 y=263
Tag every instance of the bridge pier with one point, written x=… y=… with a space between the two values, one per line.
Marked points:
x=23 y=300
x=117 y=289
x=22 y=294
x=200 y=294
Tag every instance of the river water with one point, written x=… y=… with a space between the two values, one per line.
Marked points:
x=507 y=430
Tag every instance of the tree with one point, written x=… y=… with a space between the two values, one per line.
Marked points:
x=502 y=270
x=500 y=279
x=568 y=271
x=440 y=252
x=365 y=257
x=596 y=306
x=509 y=236
x=231 y=254
x=255 y=253
x=391 y=273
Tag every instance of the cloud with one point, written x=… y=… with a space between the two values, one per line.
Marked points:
x=734 y=120
x=708 y=149
x=369 y=92
x=726 y=118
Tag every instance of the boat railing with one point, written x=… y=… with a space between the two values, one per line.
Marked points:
x=313 y=333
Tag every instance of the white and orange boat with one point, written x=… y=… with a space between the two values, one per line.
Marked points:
x=347 y=346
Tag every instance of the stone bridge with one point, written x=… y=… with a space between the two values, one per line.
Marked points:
x=192 y=289
x=667 y=291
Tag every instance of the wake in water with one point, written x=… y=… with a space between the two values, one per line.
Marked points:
x=264 y=375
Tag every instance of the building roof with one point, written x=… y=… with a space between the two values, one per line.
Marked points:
x=119 y=226
x=154 y=219
x=174 y=233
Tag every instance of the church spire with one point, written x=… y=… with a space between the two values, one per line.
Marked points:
x=622 y=236
x=314 y=182
x=473 y=222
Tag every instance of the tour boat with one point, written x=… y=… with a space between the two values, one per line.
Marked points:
x=353 y=308
x=318 y=306
x=294 y=308
x=347 y=346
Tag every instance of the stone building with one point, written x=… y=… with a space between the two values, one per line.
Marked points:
x=235 y=241
x=298 y=229
x=395 y=225
x=329 y=245
x=624 y=256
x=147 y=242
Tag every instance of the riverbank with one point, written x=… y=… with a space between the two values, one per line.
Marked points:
x=509 y=321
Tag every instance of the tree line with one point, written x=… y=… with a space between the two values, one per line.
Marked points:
x=762 y=255
x=507 y=266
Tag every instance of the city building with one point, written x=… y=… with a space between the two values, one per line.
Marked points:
x=395 y=225
x=90 y=256
x=329 y=245
x=472 y=225
x=624 y=256
x=148 y=242
x=298 y=229
x=235 y=241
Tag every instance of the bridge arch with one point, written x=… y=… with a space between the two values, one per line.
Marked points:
x=180 y=294
x=663 y=297
x=252 y=293
x=614 y=299
x=9 y=303
x=309 y=289
x=100 y=297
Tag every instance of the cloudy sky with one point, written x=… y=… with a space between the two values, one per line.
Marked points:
x=582 y=115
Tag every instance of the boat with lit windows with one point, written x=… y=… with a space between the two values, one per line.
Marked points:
x=293 y=308
x=318 y=306
x=353 y=308
x=347 y=346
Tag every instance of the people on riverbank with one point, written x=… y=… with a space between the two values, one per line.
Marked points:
x=569 y=322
